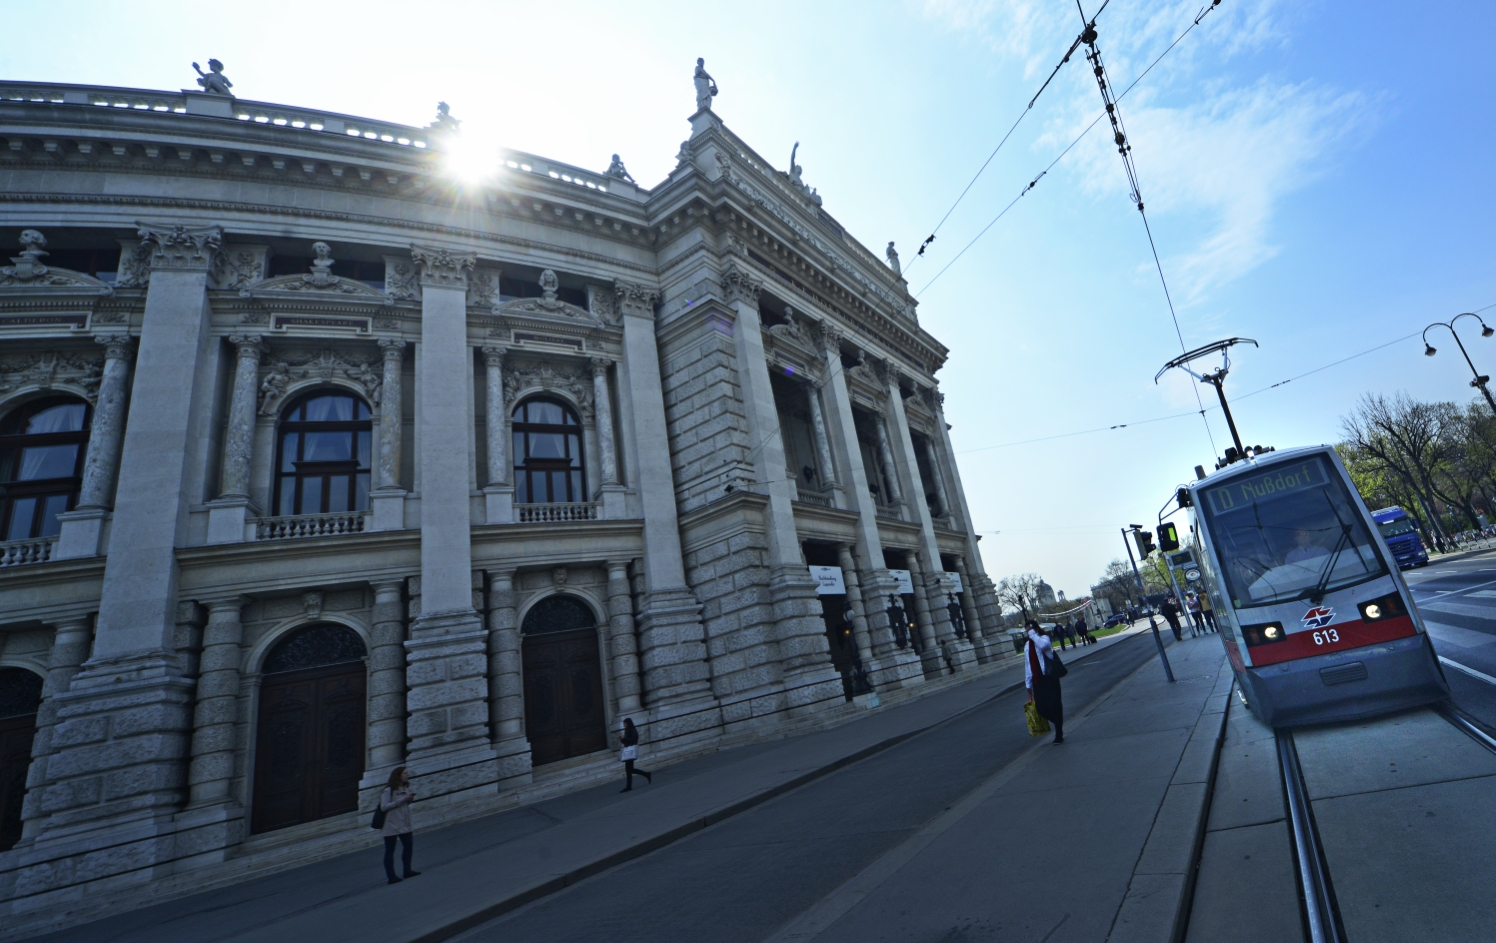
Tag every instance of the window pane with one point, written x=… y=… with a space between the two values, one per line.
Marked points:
x=519 y=446
x=361 y=499
x=22 y=512
x=363 y=409
x=576 y=487
x=363 y=449
x=55 y=505
x=337 y=493
x=8 y=460
x=294 y=415
x=574 y=449
x=48 y=461
x=519 y=413
x=558 y=487
x=329 y=409
x=327 y=447
x=311 y=496
x=288 y=451
x=521 y=486
x=65 y=417
x=570 y=419
x=547 y=445
x=547 y=413
x=287 y=496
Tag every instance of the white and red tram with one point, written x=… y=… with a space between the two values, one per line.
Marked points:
x=1316 y=619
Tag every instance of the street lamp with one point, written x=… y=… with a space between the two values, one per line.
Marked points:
x=1485 y=331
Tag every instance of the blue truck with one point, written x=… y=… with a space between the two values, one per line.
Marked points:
x=1400 y=531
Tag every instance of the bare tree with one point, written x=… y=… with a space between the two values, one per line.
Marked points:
x=1405 y=438
x=1019 y=592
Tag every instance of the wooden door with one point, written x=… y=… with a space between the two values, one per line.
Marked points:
x=310 y=747
x=16 y=734
x=563 y=695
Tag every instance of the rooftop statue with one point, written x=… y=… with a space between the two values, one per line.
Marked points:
x=444 y=120
x=893 y=259
x=617 y=171
x=706 y=86
x=214 y=82
x=795 y=169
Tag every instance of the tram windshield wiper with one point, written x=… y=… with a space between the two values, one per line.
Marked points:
x=1317 y=594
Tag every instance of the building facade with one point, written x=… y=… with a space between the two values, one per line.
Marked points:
x=316 y=461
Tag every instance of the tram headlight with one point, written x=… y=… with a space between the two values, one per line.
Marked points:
x=1387 y=607
x=1263 y=633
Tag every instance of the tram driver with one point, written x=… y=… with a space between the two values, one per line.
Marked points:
x=1304 y=548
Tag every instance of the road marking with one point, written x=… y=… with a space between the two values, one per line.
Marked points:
x=1451 y=592
x=1485 y=593
x=1469 y=671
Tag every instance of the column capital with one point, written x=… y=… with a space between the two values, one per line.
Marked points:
x=740 y=286
x=182 y=248
x=600 y=365
x=234 y=603
x=116 y=346
x=250 y=346
x=636 y=300
x=828 y=335
x=493 y=354
x=394 y=347
x=443 y=268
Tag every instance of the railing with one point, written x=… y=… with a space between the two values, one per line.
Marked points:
x=310 y=525
x=18 y=552
x=816 y=498
x=554 y=513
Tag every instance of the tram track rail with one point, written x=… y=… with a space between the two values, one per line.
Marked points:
x=1321 y=912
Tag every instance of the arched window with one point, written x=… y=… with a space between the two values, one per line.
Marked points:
x=315 y=647
x=322 y=463
x=41 y=465
x=564 y=710
x=547 y=454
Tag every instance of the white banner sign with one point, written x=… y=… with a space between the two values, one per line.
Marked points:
x=828 y=580
x=906 y=584
x=954 y=579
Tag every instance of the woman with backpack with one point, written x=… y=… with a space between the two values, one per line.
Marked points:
x=1041 y=675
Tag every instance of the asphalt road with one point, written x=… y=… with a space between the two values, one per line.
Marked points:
x=741 y=880
x=1458 y=603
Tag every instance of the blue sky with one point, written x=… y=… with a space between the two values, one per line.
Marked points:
x=1317 y=178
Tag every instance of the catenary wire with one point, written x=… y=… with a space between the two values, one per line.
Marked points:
x=982 y=169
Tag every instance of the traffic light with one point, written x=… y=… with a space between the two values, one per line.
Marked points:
x=1168 y=537
x=1144 y=539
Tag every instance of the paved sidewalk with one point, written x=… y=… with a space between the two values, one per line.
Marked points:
x=478 y=869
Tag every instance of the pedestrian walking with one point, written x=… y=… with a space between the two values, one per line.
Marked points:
x=630 y=752
x=1208 y=611
x=1084 y=630
x=1170 y=610
x=1041 y=675
x=1198 y=618
x=395 y=803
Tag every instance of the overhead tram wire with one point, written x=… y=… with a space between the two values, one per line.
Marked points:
x=1078 y=138
x=980 y=170
x=1124 y=148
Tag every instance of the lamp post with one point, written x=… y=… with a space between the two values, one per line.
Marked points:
x=1157 y=639
x=1485 y=331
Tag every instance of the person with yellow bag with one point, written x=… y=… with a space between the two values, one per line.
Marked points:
x=1042 y=671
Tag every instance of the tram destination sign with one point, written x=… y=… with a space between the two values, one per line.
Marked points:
x=1282 y=479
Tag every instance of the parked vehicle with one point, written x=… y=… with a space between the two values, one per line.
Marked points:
x=1400 y=531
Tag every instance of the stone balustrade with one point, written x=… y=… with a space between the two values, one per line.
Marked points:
x=311 y=525
x=815 y=497
x=555 y=513
x=18 y=552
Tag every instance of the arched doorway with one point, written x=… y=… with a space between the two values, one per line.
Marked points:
x=20 y=696
x=309 y=753
x=563 y=681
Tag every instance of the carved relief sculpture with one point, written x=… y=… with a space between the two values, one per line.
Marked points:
x=287 y=368
x=28 y=270
x=563 y=378
x=441 y=268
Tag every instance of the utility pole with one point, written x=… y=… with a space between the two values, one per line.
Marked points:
x=1157 y=639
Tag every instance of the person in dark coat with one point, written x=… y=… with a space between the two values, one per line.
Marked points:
x=1170 y=610
x=630 y=740
x=1039 y=677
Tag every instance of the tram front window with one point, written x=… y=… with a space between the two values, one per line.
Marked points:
x=1289 y=533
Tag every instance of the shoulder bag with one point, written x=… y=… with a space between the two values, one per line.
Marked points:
x=1057 y=667
x=378 y=821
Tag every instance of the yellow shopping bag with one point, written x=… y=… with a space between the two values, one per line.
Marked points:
x=1037 y=725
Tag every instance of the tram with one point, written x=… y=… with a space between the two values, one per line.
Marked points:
x=1313 y=611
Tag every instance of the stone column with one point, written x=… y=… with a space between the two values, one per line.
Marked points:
x=890 y=666
x=978 y=584
x=932 y=452
x=975 y=629
x=823 y=444
x=621 y=639
x=932 y=658
x=607 y=449
x=935 y=585
x=227 y=514
x=890 y=469
x=215 y=715
x=83 y=527
x=804 y=655
x=506 y=681
x=860 y=633
x=126 y=718
x=498 y=491
x=69 y=649
x=387 y=500
x=446 y=653
x=386 y=720
x=672 y=638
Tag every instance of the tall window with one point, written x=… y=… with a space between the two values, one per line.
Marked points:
x=547 y=454
x=323 y=461
x=41 y=466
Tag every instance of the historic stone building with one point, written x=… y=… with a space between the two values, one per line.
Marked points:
x=316 y=460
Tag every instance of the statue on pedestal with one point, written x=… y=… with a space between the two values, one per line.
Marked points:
x=444 y=120
x=617 y=171
x=893 y=260
x=706 y=86
x=795 y=169
x=214 y=82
